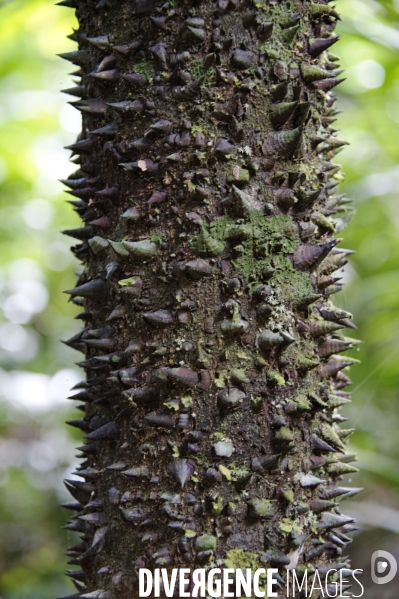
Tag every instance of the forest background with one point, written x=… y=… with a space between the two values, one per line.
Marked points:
x=37 y=371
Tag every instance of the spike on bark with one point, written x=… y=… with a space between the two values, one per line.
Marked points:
x=317 y=46
x=69 y=3
x=95 y=290
x=283 y=143
x=280 y=113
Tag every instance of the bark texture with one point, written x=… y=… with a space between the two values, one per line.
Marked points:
x=208 y=195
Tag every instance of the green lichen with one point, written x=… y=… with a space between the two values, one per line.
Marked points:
x=206 y=543
x=237 y=174
x=202 y=126
x=217 y=506
x=269 y=52
x=242 y=355
x=204 y=243
x=288 y=494
x=187 y=401
x=189 y=185
x=188 y=533
x=261 y=507
x=220 y=227
x=197 y=68
x=302 y=403
x=238 y=471
x=264 y=253
x=302 y=356
x=238 y=376
x=226 y=472
x=291 y=283
x=275 y=377
x=156 y=238
x=173 y=405
x=284 y=434
x=128 y=282
x=286 y=525
x=257 y=403
x=201 y=459
x=144 y=68
x=238 y=559
x=261 y=4
x=221 y=379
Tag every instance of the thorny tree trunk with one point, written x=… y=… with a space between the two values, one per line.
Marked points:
x=207 y=191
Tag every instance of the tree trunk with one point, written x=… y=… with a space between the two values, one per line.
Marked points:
x=211 y=344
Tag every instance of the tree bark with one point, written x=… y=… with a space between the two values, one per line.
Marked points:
x=211 y=344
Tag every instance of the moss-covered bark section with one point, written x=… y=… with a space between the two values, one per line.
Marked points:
x=208 y=196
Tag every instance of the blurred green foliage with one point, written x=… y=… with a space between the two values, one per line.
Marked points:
x=37 y=370
x=36 y=265
x=369 y=99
